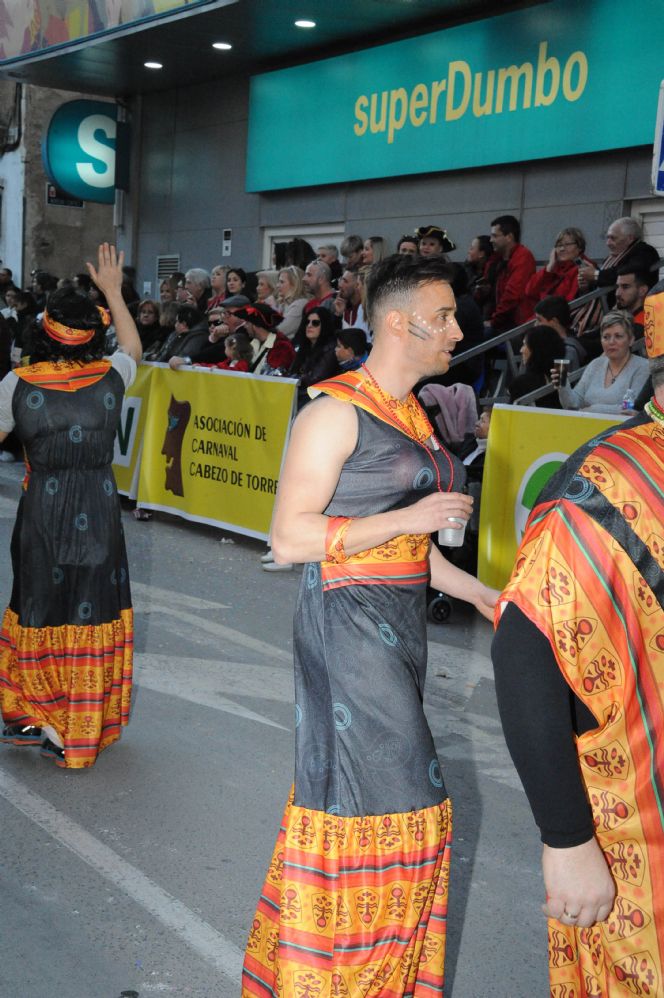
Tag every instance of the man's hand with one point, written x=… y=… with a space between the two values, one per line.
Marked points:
x=433 y=512
x=108 y=274
x=175 y=363
x=579 y=886
x=486 y=600
x=586 y=275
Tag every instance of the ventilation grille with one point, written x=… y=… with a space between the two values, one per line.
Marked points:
x=167 y=265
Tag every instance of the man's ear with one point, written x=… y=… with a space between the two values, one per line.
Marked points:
x=396 y=323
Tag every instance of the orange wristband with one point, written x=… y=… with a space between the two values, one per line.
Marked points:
x=337 y=527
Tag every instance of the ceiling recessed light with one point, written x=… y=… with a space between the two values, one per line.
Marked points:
x=305 y=24
x=153 y=65
x=222 y=46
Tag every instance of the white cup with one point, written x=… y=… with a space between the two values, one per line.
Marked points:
x=452 y=537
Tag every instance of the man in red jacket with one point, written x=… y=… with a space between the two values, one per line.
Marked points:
x=516 y=267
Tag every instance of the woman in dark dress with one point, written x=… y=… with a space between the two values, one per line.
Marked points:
x=66 y=638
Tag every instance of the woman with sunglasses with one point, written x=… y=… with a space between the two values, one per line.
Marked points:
x=316 y=359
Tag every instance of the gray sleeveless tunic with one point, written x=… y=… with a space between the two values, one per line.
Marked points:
x=363 y=745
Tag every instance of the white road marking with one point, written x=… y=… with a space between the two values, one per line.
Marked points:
x=222 y=631
x=147 y=594
x=217 y=676
x=194 y=680
x=219 y=951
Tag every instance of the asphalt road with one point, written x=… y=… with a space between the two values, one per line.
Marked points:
x=140 y=876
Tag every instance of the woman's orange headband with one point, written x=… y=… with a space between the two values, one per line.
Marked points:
x=69 y=334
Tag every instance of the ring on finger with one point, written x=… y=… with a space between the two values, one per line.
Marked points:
x=568 y=914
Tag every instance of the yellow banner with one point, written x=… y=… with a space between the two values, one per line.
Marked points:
x=213 y=446
x=526 y=446
x=129 y=438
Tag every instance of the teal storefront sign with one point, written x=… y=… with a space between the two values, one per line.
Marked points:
x=79 y=150
x=557 y=79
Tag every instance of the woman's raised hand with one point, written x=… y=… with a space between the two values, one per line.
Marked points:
x=108 y=273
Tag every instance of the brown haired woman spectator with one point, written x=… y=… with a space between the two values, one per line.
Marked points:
x=147 y=322
x=168 y=290
x=291 y=299
x=561 y=274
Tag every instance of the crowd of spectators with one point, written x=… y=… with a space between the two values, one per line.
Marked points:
x=304 y=317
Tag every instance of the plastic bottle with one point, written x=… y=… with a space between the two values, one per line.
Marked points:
x=628 y=399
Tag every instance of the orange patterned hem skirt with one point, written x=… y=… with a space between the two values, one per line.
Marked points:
x=353 y=907
x=75 y=678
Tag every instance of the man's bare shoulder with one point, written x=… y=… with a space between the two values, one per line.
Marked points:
x=327 y=420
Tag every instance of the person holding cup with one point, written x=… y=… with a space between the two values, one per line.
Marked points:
x=364 y=484
x=540 y=350
x=611 y=377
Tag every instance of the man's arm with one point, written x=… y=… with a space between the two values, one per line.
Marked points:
x=535 y=706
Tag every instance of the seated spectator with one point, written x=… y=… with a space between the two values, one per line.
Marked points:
x=291 y=299
x=613 y=380
x=407 y=246
x=329 y=254
x=221 y=322
x=167 y=315
x=217 y=285
x=561 y=274
x=147 y=323
x=515 y=268
x=373 y=251
x=168 y=289
x=197 y=288
x=236 y=282
x=554 y=311
x=266 y=287
x=541 y=347
x=273 y=352
x=348 y=303
x=315 y=343
x=352 y=348
x=351 y=251
x=433 y=241
x=187 y=338
x=632 y=286
x=626 y=248
x=482 y=269
x=469 y=318
x=316 y=282
x=238 y=350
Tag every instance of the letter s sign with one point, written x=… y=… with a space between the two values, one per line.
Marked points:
x=79 y=150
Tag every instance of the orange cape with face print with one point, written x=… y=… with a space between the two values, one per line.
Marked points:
x=589 y=574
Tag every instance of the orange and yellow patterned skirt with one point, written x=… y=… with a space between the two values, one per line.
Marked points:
x=353 y=906
x=77 y=679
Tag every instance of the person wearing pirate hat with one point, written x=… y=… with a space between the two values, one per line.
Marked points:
x=273 y=352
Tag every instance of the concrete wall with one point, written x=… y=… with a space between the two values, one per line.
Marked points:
x=192 y=165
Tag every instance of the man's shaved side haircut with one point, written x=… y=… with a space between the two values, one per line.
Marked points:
x=392 y=282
